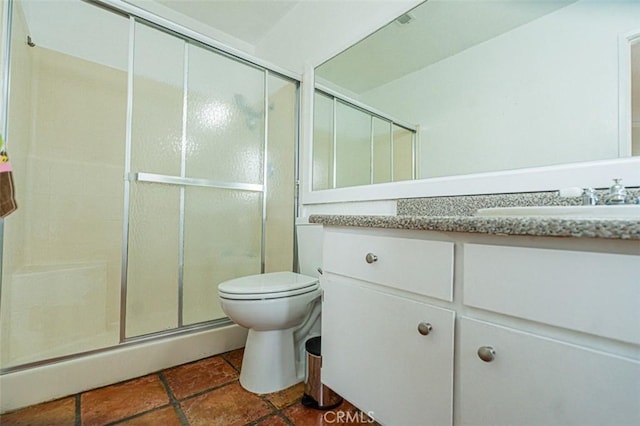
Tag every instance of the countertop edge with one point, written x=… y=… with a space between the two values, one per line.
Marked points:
x=506 y=225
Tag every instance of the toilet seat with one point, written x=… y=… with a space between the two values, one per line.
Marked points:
x=272 y=285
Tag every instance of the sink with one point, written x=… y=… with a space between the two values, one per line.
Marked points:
x=627 y=211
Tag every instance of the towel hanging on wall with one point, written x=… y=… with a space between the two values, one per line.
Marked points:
x=7 y=196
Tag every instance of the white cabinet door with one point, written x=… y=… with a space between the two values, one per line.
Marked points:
x=536 y=381
x=374 y=356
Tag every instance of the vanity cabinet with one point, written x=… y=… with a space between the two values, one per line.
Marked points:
x=383 y=349
x=528 y=331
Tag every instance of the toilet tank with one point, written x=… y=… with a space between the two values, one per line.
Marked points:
x=309 y=243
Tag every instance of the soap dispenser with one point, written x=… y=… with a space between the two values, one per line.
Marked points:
x=617 y=193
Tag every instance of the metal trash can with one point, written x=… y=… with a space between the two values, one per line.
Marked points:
x=317 y=395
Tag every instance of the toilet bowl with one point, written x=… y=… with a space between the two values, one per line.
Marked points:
x=272 y=306
x=281 y=310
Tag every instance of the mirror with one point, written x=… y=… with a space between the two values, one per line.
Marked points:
x=487 y=85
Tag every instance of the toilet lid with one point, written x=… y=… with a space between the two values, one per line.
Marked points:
x=278 y=284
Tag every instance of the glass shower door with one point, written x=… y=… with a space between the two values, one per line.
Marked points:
x=148 y=168
x=224 y=147
x=198 y=180
x=151 y=291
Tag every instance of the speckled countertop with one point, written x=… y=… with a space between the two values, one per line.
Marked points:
x=455 y=214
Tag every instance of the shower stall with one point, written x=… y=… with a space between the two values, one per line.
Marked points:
x=149 y=166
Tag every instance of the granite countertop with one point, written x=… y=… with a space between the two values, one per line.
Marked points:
x=507 y=225
x=456 y=214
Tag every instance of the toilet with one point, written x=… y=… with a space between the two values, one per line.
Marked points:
x=281 y=310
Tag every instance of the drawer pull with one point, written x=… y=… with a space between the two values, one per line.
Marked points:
x=486 y=353
x=424 y=328
x=370 y=258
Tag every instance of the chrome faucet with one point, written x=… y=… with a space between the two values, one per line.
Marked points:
x=589 y=197
x=617 y=193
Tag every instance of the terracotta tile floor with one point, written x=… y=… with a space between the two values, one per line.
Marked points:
x=205 y=392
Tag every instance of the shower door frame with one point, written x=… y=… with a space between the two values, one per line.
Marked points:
x=190 y=37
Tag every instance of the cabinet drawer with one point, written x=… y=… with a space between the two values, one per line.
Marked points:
x=418 y=266
x=534 y=380
x=596 y=293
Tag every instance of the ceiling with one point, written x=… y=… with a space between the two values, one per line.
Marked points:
x=441 y=28
x=246 y=20
x=290 y=34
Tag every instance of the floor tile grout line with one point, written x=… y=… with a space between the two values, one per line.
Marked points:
x=202 y=392
x=167 y=388
x=175 y=403
x=278 y=413
x=154 y=409
x=138 y=415
x=78 y=409
x=264 y=399
x=224 y=357
x=287 y=419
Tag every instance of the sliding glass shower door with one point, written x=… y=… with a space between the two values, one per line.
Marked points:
x=197 y=191
x=148 y=168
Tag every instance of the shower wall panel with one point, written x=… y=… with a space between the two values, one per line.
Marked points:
x=19 y=115
x=13 y=255
x=66 y=141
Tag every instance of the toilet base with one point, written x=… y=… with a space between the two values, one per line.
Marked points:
x=268 y=364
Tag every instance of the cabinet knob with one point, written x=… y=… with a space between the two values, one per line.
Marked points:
x=424 y=328
x=370 y=258
x=486 y=353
